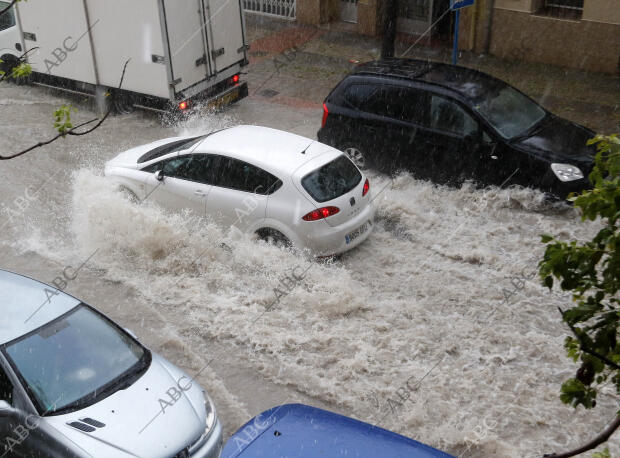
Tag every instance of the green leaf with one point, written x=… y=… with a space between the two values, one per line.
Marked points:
x=590 y=271
x=62 y=119
x=546 y=238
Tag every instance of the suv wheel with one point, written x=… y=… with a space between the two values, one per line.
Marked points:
x=357 y=156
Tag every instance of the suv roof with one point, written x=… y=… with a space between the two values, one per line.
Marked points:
x=28 y=304
x=469 y=83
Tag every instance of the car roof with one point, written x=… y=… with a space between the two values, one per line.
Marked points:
x=27 y=304
x=303 y=431
x=469 y=83
x=271 y=149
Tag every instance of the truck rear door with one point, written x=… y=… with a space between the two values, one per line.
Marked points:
x=186 y=42
x=225 y=32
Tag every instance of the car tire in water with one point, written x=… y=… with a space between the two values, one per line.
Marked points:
x=129 y=195
x=274 y=237
x=357 y=155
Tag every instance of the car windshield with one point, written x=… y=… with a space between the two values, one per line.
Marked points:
x=332 y=180
x=510 y=112
x=75 y=361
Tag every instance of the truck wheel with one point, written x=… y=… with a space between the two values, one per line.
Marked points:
x=9 y=62
x=123 y=103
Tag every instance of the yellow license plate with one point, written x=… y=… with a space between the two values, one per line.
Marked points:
x=224 y=100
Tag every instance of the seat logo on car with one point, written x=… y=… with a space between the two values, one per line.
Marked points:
x=352 y=201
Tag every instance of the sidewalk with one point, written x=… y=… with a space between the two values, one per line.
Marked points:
x=297 y=66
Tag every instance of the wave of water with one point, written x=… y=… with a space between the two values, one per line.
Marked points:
x=435 y=327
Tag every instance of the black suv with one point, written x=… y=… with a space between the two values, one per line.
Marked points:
x=450 y=124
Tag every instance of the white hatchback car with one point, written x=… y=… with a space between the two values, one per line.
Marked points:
x=74 y=384
x=265 y=181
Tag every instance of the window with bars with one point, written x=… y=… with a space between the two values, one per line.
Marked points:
x=563 y=9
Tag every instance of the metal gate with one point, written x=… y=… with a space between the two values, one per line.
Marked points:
x=280 y=8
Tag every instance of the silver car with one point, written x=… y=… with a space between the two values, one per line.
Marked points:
x=74 y=384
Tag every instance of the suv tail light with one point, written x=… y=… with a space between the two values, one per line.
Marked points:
x=366 y=187
x=325 y=114
x=321 y=213
x=234 y=79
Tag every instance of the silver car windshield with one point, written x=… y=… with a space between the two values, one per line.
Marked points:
x=75 y=361
x=510 y=112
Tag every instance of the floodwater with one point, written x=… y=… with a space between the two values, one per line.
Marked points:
x=436 y=327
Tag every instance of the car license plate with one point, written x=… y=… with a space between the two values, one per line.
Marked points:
x=356 y=233
x=225 y=100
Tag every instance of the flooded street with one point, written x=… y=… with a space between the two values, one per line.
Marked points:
x=436 y=327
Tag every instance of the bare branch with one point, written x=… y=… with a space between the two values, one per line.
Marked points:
x=73 y=130
x=598 y=440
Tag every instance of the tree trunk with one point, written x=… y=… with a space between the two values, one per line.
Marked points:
x=389 y=28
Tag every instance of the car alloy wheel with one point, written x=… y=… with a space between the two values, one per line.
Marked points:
x=357 y=157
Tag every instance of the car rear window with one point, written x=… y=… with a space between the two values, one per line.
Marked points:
x=178 y=145
x=332 y=180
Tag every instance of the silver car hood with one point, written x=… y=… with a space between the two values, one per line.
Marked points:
x=143 y=420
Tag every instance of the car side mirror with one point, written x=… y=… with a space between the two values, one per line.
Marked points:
x=159 y=175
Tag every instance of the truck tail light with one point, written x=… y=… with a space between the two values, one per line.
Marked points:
x=234 y=79
x=325 y=114
x=184 y=105
x=321 y=213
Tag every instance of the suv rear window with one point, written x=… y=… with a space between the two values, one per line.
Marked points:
x=332 y=180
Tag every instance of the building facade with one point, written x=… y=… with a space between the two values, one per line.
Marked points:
x=582 y=34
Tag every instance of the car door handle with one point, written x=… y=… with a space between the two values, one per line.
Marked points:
x=198 y=192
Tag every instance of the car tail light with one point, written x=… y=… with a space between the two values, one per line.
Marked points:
x=366 y=187
x=184 y=105
x=325 y=113
x=321 y=213
x=235 y=79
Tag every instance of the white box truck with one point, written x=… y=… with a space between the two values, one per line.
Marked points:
x=181 y=52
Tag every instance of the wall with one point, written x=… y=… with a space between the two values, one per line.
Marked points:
x=581 y=44
x=592 y=43
x=607 y=11
x=368 y=17
x=313 y=12
x=515 y=5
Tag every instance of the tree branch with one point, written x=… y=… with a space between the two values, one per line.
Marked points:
x=598 y=440
x=73 y=130
x=585 y=349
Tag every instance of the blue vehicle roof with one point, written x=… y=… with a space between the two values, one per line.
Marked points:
x=301 y=431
